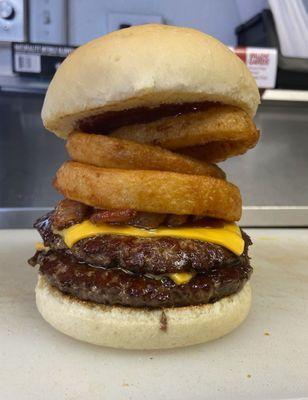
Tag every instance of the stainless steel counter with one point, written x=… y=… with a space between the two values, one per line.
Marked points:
x=273 y=177
x=29 y=157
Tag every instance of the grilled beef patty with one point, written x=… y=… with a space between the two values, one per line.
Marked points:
x=129 y=271
x=119 y=287
x=143 y=255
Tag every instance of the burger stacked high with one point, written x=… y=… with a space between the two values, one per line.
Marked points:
x=144 y=251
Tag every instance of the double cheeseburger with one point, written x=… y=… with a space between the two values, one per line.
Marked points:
x=144 y=251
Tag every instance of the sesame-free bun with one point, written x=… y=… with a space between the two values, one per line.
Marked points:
x=146 y=65
x=134 y=328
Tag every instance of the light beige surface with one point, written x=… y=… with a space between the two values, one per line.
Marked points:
x=145 y=66
x=265 y=358
x=127 y=328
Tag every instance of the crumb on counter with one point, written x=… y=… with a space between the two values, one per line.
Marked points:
x=267 y=237
x=266 y=334
x=248 y=376
x=163 y=322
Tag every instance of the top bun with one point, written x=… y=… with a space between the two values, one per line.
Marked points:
x=146 y=65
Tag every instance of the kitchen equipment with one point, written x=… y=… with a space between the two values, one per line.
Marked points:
x=48 y=21
x=13 y=15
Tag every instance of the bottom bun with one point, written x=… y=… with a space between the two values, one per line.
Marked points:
x=136 y=328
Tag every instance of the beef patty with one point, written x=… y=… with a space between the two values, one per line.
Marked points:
x=115 y=286
x=144 y=255
x=129 y=271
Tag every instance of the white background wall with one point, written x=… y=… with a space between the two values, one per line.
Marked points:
x=88 y=18
x=249 y=8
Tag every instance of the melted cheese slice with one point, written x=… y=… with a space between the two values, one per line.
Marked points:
x=180 y=278
x=229 y=236
x=41 y=247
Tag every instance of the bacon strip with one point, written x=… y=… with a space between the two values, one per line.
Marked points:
x=112 y=216
x=173 y=220
x=68 y=213
x=147 y=220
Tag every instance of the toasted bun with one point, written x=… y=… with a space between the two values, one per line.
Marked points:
x=146 y=65
x=133 y=328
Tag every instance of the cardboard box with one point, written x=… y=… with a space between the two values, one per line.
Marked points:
x=262 y=63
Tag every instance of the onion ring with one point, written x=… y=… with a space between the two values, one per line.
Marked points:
x=219 y=151
x=217 y=124
x=109 y=152
x=149 y=191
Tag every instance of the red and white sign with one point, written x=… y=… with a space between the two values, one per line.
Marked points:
x=262 y=63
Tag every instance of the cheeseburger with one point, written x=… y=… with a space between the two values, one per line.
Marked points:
x=144 y=251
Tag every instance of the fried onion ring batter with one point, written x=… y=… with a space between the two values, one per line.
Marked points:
x=218 y=124
x=150 y=191
x=109 y=152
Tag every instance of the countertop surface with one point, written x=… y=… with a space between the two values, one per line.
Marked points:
x=266 y=358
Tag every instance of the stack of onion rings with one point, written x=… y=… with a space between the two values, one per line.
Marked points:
x=163 y=166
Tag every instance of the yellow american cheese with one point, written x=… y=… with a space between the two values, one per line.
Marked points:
x=180 y=278
x=40 y=247
x=228 y=236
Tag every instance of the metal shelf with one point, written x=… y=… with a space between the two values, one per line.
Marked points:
x=285 y=95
